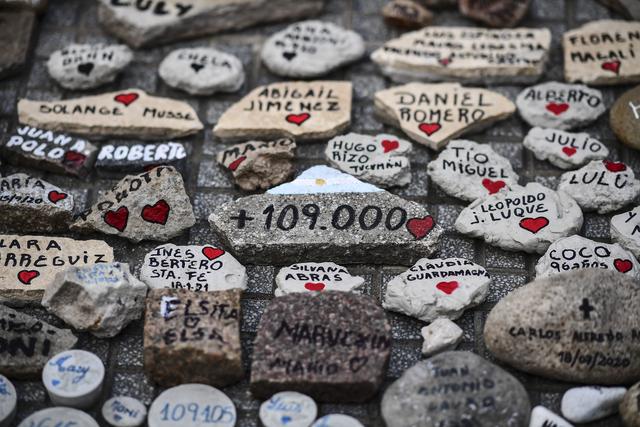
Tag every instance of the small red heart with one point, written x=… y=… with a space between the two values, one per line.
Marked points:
x=447 y=287
x=569 y=151
x=614 y=166
x=444 y=61
x=298 y=119
x=534 y=224
x=310 y=286
x=430 y=128
x=493 y=186
x=74 y=157
x=234 y=165
x=117 y=219
x=126 y=98
x=557 y=109
x=156 y=214
x=26 y=276
x=390 y=145
x=212 y=253
x=613 y=66
x=55 y=196
x=622 y=265
x=420 y=227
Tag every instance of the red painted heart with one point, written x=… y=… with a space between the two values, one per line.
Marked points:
x=390 y=145
x=613 y=66
x=298 y=119
x=614 y=166
x=557 y=109
x=447 y=287
x=126 y=98
x=569 y=151
x=55 y=196
x=444 y=61
x=493 y=186
x=534 y=224
x=26 y=276
x=420 y=227
x=317 y=287
x=234 y=165
x=211 y=252
x=156 y=214
x=74 y=157
x=622 y=265
x=430 y=128
x=117 y=219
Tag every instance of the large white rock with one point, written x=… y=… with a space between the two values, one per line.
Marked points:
x=441 y=335
x=586 y=404
x=542 y=417
x=625 y=229
x=313 y=277
x=563 y=149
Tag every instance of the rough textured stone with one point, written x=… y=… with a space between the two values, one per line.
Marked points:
x=123 y=411
x=625 y=230
x=134 y=157
x=101 y=298
x=8 y=402
x=424 y=395
x=542 y=417
x=578 y=327
x=629 y=408
x=312 y=277
x=61 y=416
x=351 y=369
x=16 y=27
x=193 y=337
x=259 y=165
x=441 y=335
x=288 y=409
x=150 y=206
x=458 y=110
x=408 y=14
x=629 y=8
x=585 y=404
x=562 y=149
x=495 y=13
x=624 y=118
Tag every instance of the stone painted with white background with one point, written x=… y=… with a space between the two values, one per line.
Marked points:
x=585 y=404
x=563 y=149
x=288 y=409
x=542 y=417
x=74 y=378
x=337 y=420
x=8 y=401
x=315 y=277
x=123 y=411
x=440 y=335
x=625 y=230
x=60 y=416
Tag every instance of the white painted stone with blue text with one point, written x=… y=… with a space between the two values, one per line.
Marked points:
x=59 y=416
x=337 y=420
x=288 y=409
x=8 y=401
x=124 y=411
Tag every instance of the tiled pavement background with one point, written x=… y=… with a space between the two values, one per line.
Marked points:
x=68 y=21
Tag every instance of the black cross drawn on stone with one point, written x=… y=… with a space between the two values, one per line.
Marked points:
x=242 y=218
x=586 y=308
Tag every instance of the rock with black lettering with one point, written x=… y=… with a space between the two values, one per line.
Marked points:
x=31 y=204
x=585 y=404
x=333 y=346
x=151 y=206
x=85 y=66
x=193 y=337
x=625 y=230
x=202 y=71
x=433 y=114
x=259 y=165
x=495 y=13
x=126 y=113
x=438 y=391
x=408 y=14
x=560 y=105
x=434 y=288
x=16 y=28
x=29 y=344
x=562 y=149
x=326 y=215
x=136 y=157
x=629 y=407
x=380 y=159
x=525 y=219
x=468 y=170
x=440 y=335
x=624 y=118
x=582 y=328
x=311 y=49
x=602 y=186
x=313 y=277
x=542 y=417
x=203 y=268
x=59 y=415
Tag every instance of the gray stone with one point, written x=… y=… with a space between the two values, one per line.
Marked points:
x=440 y=335
x=408 y=14
x=8 y=402
x=629 y=408
x=629 y=8
x=288 y=409
x=585 y=404
x=60 y=416
x=625 y=230
x=577 y=327
x=16 y=28
x=437 y=392
x=102 y=298
x=562 y=149
x=312 y=277
x=542 y=417
x=495 y=13
x=123 y=411
x=624 y=118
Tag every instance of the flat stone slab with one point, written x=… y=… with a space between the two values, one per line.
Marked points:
x=624 y=118
x=433 y=114
x=312 y=277
x=125 y=113
x=16 y=28
x=466 y=54
x=625 y=230
x=562 y=149
x=136 y=157
x=344 y=362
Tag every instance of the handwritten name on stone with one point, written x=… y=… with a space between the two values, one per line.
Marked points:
x=624 y=118
x=134 y=157
x=123 y=411
x=625 y=230
x=565 y=150
x=74 y=378
x=314 y=277
x=59 y=416
x=8 y=401
x=288 y=409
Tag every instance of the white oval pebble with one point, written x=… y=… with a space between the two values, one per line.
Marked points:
x=73 y=378
x=586 y=404
x=59 y=416
x=337 y=420
x=288 y=409
x=542 y=417
x=8 y=401
x=122 y=411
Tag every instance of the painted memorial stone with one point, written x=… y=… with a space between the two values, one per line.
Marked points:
x=630 y=408
x=288 y=409
x=602 y=186
x=495 y=13
x=195 y=268
x=436 y=392
x=576 y=252
x=259 y=165
x=344 y=361
x=311 y=49
x=151 y=206
x=312 y=277
x=135 y=157
x=326 y=215
x=16 y=28
x=123 y=411
x=126 y=113
x=433 y=114
x=176 y=407
x=560 y=105
x=440 y=335
x=542 y=417
x=585 y=404
x=8 y=402
x=337 y=420
x=300 y=110
x=101 y=298
x=28 y=264
x=468 y=170
x=625 y=230
x=624 y=118
x=202 y=71
x=74 y=378
x=59 y=416
x=582 y=327
x=193 y=337
x=85 y=66
x=153 y=22
x=32 y=204
x=49 y=151
x=406 y=14
x=465 y=54
x=562 y=149
x=378 y=159
x=526 y=218
x=434 y=288
x=602 y=53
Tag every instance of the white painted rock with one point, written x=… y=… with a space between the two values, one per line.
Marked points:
x=625 y=230
x=288 y=409
x=313 y=277
x=337 y=420
x=563 y=149
x=122 y=411
x=542 y=417
x=576 y=252
x=441 y=335
x=378 y=159
x=323 y=179
x=526 y=218
x=602 y=186
x=202 y=71
x=59 y=416
x=468 y=170
x=434 y=288
x=85 y=66
x=311 y=49
x=8 y=401
x=591 y=403
x=560 y=105
x=196 y=268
